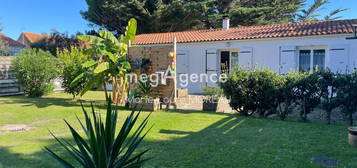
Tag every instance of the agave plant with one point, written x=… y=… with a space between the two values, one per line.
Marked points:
x=102 y=147
x=145 y=88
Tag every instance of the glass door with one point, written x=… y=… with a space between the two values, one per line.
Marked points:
x=225 y=61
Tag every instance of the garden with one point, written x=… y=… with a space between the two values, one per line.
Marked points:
x=273 y=126
x=177 y=139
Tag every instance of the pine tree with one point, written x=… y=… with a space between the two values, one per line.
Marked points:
x=179 y=15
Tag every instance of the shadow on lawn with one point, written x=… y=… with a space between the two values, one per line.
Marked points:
x=44 y=102
x=167 y=153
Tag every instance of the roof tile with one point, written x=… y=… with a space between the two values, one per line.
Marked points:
x=35 y=37
x=250 y=32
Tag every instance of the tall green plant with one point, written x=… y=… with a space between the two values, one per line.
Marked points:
x=71 y=66
x=109 y=63
x=102 y=147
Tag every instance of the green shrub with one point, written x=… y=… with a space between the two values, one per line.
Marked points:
x=265 y=85
x=71 y=66
x=253 y=91
x=329 y=83
x=236 y=90
x=215 y=92
x=285 y=96
x=34 y=69
x=346 y=94
x=265 y=92
x=307 y=93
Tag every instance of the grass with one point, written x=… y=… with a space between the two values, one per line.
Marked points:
x=178 y=138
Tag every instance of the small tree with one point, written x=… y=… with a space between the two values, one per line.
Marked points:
x=71 y=66
x=347 y=95
x=307 y=92
x=34 y=69
x=329 y=84
x=285 y=97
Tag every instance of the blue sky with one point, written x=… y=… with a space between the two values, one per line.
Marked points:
x=40 y=16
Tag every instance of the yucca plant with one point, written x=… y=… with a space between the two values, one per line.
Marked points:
x=145 y=89
x=102 y=147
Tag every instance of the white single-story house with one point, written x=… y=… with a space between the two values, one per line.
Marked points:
x=279 y=47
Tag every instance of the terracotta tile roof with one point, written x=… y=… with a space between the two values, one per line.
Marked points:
x=9 y=41
x=35 y=37
x=251 y=32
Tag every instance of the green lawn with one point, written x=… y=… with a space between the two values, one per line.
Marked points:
x=178 y=139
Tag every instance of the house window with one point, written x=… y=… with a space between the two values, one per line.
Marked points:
x=234 y=60
x=311 y=59
x=225 y=61
x=228 y=61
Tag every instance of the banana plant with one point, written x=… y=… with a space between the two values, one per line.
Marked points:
x=109 y=60
x=103 y=147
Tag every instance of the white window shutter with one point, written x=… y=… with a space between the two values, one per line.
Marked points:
x=211 y=60
x=338 y=59
x=245 y=58
x=182 y=67
x=182 y=62
x=211 y=65
x=287 y=59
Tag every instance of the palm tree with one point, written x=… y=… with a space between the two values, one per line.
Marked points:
x=332 y=15
x=311 y=13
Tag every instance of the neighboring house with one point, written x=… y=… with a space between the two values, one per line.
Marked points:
x=14 y=46
x=29 y=38
x=8 y=85
x=280 y=47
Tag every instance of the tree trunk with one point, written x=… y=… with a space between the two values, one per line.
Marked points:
x=328 y=116
x=106 y=92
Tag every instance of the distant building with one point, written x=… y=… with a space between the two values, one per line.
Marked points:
x=14 y=46
x=29 y=38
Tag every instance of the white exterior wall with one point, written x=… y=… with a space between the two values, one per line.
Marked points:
x=266 y=52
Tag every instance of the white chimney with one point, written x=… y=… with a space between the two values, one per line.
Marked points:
x=225 y=23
